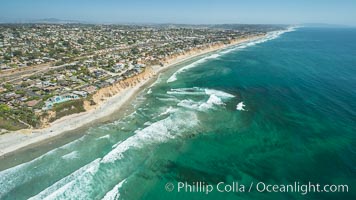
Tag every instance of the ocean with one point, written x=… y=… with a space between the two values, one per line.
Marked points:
x=278 y=111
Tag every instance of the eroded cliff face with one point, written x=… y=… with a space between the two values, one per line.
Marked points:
x=45 y=119
x=193 y=51
x=104 y=93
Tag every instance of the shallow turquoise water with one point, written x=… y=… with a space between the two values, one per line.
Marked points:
x=298 y=124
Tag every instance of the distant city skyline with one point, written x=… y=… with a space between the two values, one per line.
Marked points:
x=186 y=12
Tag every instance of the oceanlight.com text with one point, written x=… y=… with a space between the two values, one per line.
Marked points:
x=261 y=187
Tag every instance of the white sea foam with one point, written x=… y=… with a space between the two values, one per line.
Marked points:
x=201 y=106
x=140 y=98
x=159 y=79
x=215 y=98
x=147 y=123
x=218 y=93
x=159 y=131
x=168 y=99
x=192 y=65
x=269 y=36
x=173 y=125
x=168 y=111
x=213 y=56
x=78 y=184
x=73 y=143
x=199 y=91
x=240 y=106
x=187 y=103
x=186 y=91
x=104 y=137
x=74 y=185
x=174 y=76
x=71 y=155
x=64 y=187
x=9 y=178
x=114 y=194
x=13 y=176
x=105 y=128
x=115 y=145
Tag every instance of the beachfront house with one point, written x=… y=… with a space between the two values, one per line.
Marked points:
x=59 y=99
x=90 y=89
x=81 y=93
x=118 y=67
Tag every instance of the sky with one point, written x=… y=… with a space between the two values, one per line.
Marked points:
x=184 y=11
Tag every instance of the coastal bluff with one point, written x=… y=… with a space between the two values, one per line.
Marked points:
x=103 y=94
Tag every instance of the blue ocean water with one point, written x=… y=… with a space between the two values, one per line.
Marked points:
x=277 y=111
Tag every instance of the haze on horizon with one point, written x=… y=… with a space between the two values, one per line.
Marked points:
x=183 y=11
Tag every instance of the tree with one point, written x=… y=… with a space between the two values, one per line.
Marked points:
x=17 y=53
x=8 y=86
x=4 y=108
x=81 y=41
x=135 y=50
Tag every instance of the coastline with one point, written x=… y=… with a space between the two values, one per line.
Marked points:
x=112 y=101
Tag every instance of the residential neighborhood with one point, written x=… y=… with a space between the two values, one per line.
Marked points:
x=44 y=65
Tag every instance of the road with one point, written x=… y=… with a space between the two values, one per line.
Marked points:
x=13 y=75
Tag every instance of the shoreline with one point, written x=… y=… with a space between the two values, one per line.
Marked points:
x=16 y=140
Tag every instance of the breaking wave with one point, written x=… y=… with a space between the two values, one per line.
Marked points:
x=78 y=184
x=216 y=98
x=240 y=106
x=65 y=187
x=168 y=128
x=192 y=65
x=176 y=123
x=269 y=36
x=71 y=155
x=114 y=194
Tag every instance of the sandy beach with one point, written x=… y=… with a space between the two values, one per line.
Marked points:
x=10 y=142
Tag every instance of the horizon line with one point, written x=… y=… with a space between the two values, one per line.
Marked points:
x=3 y=20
